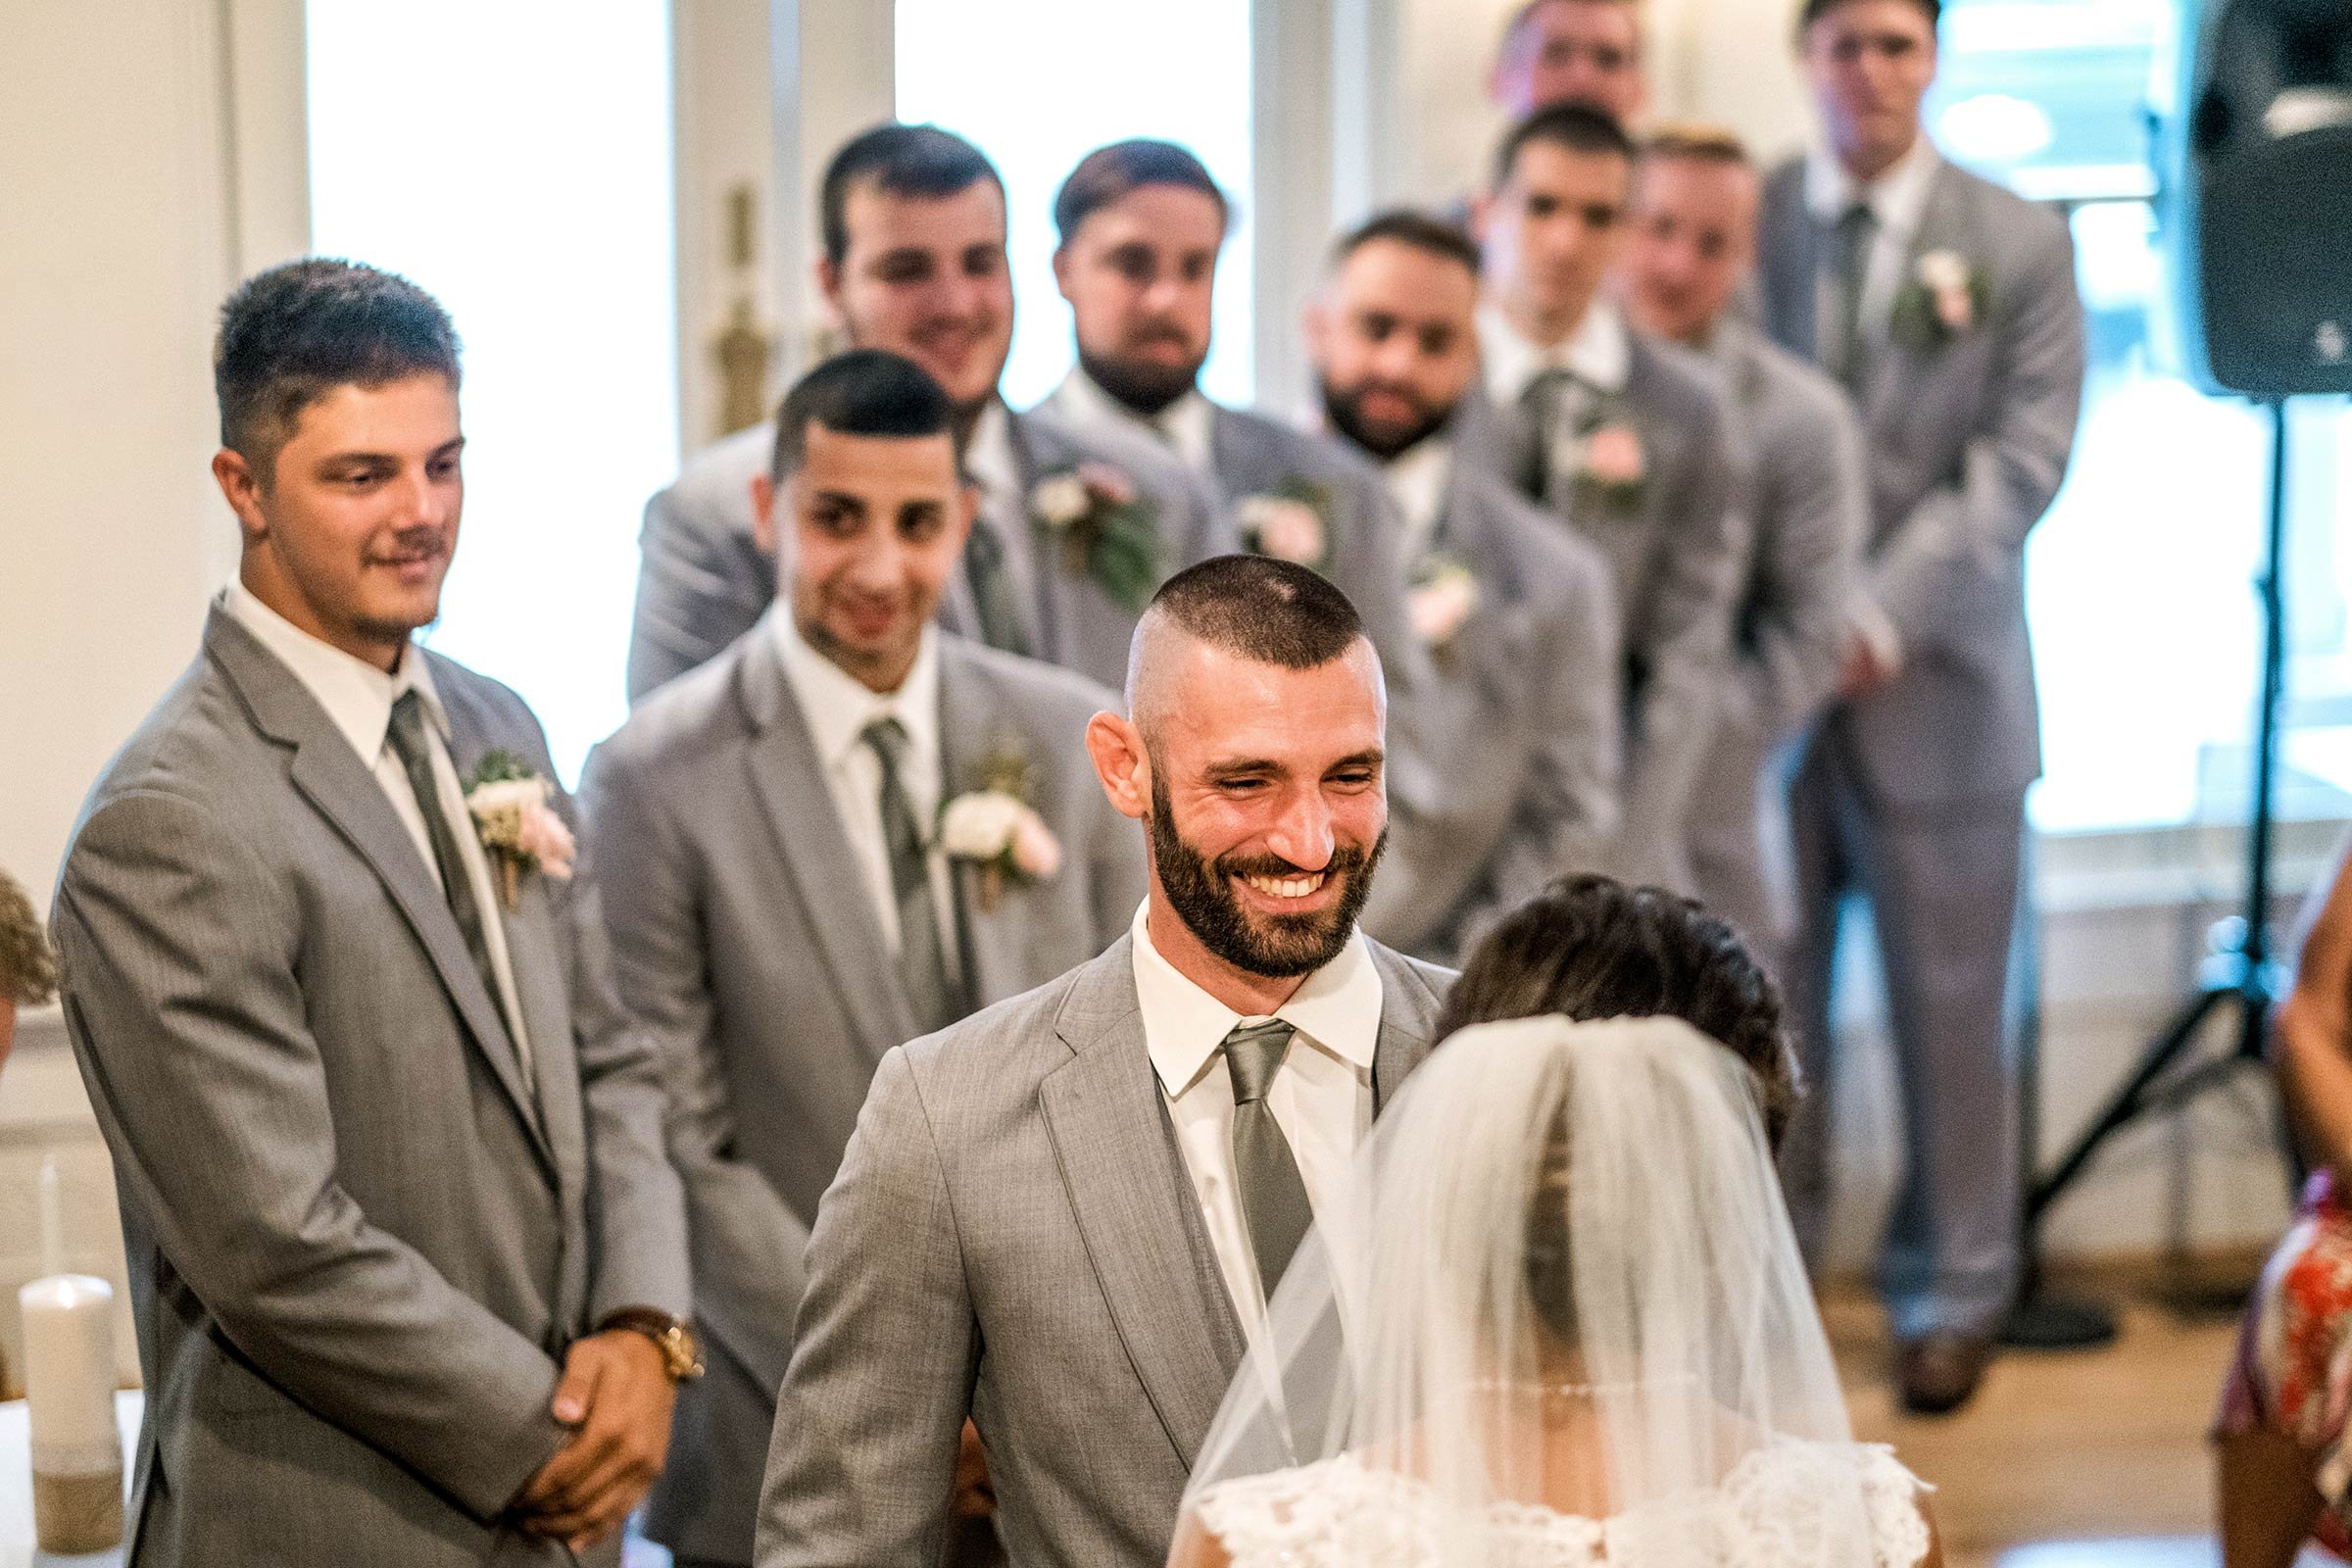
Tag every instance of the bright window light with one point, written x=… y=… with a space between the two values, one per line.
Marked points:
x=515 y=160
x=1038 y=84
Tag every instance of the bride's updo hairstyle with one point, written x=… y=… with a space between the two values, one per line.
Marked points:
x=1590 y=946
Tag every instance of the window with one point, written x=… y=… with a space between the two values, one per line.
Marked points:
x=1036 y=84
x=514 y=159
x=2138 y=580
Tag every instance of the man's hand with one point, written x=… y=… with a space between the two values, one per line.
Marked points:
x=616 y=1398
x=974 y=1496
x=1873 y=654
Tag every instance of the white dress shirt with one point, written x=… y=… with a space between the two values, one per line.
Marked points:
x=1186 y=427
x=1600 y=353
x=358 y=698
x=1321 y=1097
x=1418 y=479
x=837 y=707
x=995 y=465
x=1896 y=200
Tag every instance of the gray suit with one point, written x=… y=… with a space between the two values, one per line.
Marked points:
x=744 y=939
x=1916 y=793
x=1013 y=1235
x=1528 y=697
x=360 y=1240
x=1675 y=562
x=1809 y=503
x=705 y=580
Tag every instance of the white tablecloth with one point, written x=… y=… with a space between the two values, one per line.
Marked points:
x=15 y=1483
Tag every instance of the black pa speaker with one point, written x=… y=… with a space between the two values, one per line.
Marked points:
x=2257 y=168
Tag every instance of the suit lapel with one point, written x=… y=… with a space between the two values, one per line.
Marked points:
x=1897 y=370
x=1135 y=1209
x=970 y=727
x=1794 y=270
x=1408 y=1008
x=331 y=777
x=788 y=780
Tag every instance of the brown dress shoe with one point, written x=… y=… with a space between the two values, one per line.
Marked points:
x=1939 y=1372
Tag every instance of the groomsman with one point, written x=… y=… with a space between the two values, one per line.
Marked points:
x=1572 y=52
x=1693 y=241
x=782 y=911
x=409 y=1267
x=1141 y=223
x=1061 y=1216
x=1515 y=611
x=1947 y=308
x=1626 y=439
x=1074 y=530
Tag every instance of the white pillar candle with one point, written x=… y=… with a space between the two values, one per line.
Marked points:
x=69 y=1400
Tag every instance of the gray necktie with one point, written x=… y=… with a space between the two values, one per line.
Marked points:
x=922 y=960
x=407 y=737
x=1273 y=1197
x=1858 y=228
x=1541 y=407
x=992 y=589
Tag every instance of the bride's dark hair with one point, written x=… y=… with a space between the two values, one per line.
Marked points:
x=1590 y=947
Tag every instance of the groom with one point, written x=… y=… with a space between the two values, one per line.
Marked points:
x=1061 y=1216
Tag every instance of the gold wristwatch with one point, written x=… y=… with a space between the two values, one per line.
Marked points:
x=680 y=1357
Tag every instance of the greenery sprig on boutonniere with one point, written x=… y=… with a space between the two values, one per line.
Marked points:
x=1105 y=528
x=1947 y=296
x=1291 y=523
x=995 y=829
x=507 y=800
x=1612 y=472
x=1441 y=601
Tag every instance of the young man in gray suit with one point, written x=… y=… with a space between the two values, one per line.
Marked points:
x=1692 y=245
x=1141 y=223
x=1947 y=308
x=1074 y=529
x=1627 y=440
x=1516 y=612
x=407 y=1264
x=782 y=910
x=1061 y=1216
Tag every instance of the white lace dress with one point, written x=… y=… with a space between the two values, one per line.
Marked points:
x=1341 y=1513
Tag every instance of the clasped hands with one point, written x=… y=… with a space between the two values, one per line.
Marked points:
x=615 y=1397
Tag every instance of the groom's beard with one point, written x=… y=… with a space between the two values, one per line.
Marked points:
x=1144 y=387
x=1201 y=892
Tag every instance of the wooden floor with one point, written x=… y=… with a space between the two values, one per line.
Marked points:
x=2086 y=1460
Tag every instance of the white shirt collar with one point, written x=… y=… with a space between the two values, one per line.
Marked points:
x=1338 y=1008
x=836 y=707
x=357 y=696
x=1186 y=427
x=1897 y=198
x=1418 y=478
x=1599 y=351
x=989 y=457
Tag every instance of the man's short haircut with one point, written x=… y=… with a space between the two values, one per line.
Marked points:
x=918 y=160
x=1112 y=173
x=294 y=333
x=1576 y=126
x=871 y=392
x=1814 y=9
x=1526 y=13
x=1404 y=225
x=1256 y=608
x=1697 y=143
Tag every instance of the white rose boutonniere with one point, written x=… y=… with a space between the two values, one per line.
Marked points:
x=1441 y=601
x=508 y=803
x=1291 y=524
x=1104 y=526
x=1947 y=296
x=995 y=830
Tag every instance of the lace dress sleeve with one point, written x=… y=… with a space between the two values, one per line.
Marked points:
x=1892 y=1495
x=1335 y=1514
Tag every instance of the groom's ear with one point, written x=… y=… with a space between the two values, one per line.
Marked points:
x=1116 y=748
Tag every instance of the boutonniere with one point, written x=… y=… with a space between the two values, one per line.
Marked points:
x=1441 y=601
x=1947 y=296
x=1294 y=523
x=994 y=828
x=1105 y=529
x=1610 y=467
x=521 y=830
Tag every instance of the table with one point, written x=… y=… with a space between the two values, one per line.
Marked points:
x=16 y=1485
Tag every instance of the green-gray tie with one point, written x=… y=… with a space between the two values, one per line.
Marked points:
x=1274 y=1199
x=1856 y=229
x=1541 y=407
x=922 y=957
x=407 y=742
x=983 y=567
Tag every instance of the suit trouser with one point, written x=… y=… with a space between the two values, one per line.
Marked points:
x=1942 y=885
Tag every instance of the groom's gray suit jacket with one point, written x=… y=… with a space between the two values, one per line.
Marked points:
x=745 y=940
x=705 y=580
x=1013 y=1235
x=360 y=1238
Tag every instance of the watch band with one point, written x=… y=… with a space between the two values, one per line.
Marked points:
x=681 y=1359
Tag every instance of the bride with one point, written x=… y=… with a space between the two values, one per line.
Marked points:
x=1559 y=1321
